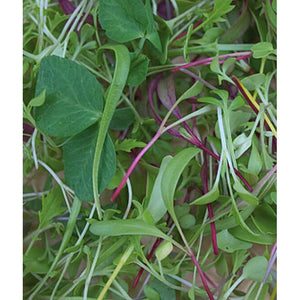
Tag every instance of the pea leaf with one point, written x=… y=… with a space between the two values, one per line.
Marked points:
x=138 y=70
x=79 y=156
x=51 y=206
x=156 y=205
x=123 y=20
x=221 y=7
x=122 y=119
x=74 y=98
x=229 y=243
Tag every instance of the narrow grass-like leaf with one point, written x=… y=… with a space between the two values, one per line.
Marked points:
x=209 y=197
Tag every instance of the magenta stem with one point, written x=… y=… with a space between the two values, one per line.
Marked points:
x=202 y=276
x=133 y=165
x=207 y=61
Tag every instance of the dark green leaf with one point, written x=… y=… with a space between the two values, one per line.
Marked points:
x=122 y=119
x=51 y=206
x=151 y=293
x=138 y=70
x=123 y=20
x=165 y=292
x=211 y=35
x=265 y=219
x=33 y=262
x=187 y=221
x=79 y=156
x=74 y=97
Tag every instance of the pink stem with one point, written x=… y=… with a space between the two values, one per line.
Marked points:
x=207 y=61
x=135 y=162
x=185 y=33
x=202 y=276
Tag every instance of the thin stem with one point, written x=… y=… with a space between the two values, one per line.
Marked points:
x=121 y=263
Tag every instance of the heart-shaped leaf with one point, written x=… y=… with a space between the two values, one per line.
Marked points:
x=79 y=156
x=74 y=97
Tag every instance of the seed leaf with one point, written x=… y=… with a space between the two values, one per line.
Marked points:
x=74 y=98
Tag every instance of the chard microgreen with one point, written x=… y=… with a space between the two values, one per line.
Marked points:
x=105 y=107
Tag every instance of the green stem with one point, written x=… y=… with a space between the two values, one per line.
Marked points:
x=120 y=265
x=68 y=233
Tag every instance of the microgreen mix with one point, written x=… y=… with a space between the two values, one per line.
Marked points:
x=149 y=149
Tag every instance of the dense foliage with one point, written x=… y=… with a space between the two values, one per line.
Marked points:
x=149 y=149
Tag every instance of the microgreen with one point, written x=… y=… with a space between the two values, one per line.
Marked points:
x=149 y=158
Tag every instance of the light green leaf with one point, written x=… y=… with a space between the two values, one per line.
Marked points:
x=221 y=7
x=244 y=194
x=138 y=70
x=209 y=197
x=74 y=97
x=127 y=227
x=151 y=293
x=172 y=175
x=262 y=49
x=211 y=35
x=33 y=263
x=51 y=206
x=128 y=144
x=211 y=100
x=256 y=268
x=229 y=243
x=163 y=250
x=215 y=65
x=79 y=156
x=156 y=205
x=38 y=100
x=123 y=20
x=165 y=292
x=265 y=219
x=253 y=82
x=255 y=161
x=187 y=221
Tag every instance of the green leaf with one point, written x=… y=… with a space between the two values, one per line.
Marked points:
x=172 y=175
x=187 y=221
x=156 y=205
x=256 y=268
x=215 y=65
x=271 y=13
x=265 y=219
x=237 y=29
x=229 y=243
x=227 y=64
x=122 y=119
x=79 y=156
x=244 y=194
x=262 y=49
x=221 y=7
x=38 y=100
x=138 y=70
x=210 y=100
x=151 y=293
x=193 y=91
x=255 y=161
x=209 y=197
x=74 y=97
x=123 y=20
x=151 y=33
x=164 y=291
x=33 y=263
x=163 y=250
x=253 y=82
x=51 y=206
x=126 y=227
x=128 y=144
x=211 y=35
x=186 y=43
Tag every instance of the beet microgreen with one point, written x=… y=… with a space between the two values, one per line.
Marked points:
x=105 y=108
